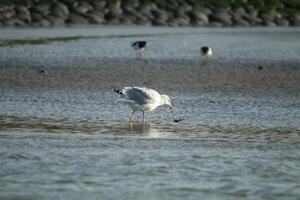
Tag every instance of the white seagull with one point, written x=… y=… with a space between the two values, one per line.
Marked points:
x=139 y=47
x=205 y=52
x=142 y=99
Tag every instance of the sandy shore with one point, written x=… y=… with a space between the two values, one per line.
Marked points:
x=181 y=76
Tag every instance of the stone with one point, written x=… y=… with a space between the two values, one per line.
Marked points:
x=198 y=17
x=215 y=24
x=8 y=14
x=114 y=21
x=13 y=22
x=240 y=22
x=160 y=14
x=97 y=13
x=282 y=22
x=94 y=19
x=60 y=10
x=22 y=10
x=99 y=5
x=239 y=11
x=159 y=22
x=76 y=19
x=186 y=7
x=80 y=9
x=295 y=20
x=56 y=21
x=24 y=17
x=269 y=23
x=221 y=17
x=42 y=9
x=183 y=21
x=127 y=21
x=35 y=17
x=207 y=11
x=44 y=23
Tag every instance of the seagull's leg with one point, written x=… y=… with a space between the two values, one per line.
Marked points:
x=131 y=118
x=204 y=59
x=144 y=117
x=142 y=53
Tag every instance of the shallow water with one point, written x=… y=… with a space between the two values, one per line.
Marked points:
x=63 y=134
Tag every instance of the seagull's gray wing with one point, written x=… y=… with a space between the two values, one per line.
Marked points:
x=141 y=96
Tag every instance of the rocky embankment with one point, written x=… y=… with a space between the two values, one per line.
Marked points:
x=136 y=13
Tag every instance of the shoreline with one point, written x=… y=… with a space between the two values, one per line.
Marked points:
x=42 y=14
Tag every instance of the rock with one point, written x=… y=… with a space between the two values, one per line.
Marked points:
x=185 y=21
x=134 y=4
x=4 y=8
x=23 y=14
x=295 y=20
x=186 y=7
x=60 y=10
x=270 y=16
x=55 y=21
x=159 y=22
x=198 y=17
x=99 y=5
x=24 y=17
x=129 y=11
x=22 y=10
x=13 y=22
x=239 y=11
x=240 y=22
x=35 y=17
x=215 y=24
x=160 y=15
x=179 y=13
x=114 y=21
x=147 y=8
x=80 y=8
x=128 y=21
x=44 y=23
x=95 y=19
x=97 y=13
x=282 y=22
x=221 y=17
x=7 y=14
x=42 y=9
x=76 y=19
x=253 y=19
x=269 y=23
x=114 y=5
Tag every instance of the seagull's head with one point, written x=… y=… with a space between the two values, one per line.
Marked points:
x=165 y=100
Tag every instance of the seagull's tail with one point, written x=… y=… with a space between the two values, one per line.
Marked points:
x=118 y=91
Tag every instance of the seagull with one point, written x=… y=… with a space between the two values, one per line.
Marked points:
x=139 y=47
x=205 y=52
x=142 y=99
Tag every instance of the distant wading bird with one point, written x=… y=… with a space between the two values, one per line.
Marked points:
x=142 y=99
x=139 y=47
x=206 y=52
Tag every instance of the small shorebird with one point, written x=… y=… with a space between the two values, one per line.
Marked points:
x=142 y=99
x=205 y=52
x=139 y=47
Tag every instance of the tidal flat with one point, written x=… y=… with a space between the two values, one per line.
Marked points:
x=63 y=134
